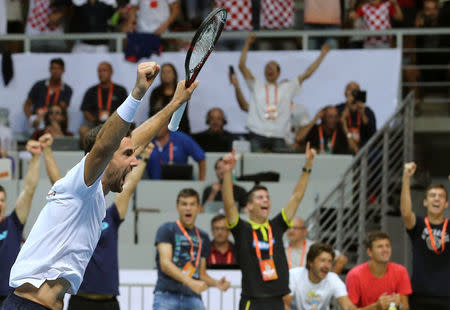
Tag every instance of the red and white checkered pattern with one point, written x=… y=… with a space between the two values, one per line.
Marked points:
x=377 y=18
x=277 y=14
x=239 y=13
x=38 y=16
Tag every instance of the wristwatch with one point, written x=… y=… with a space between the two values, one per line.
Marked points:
x=306 y=170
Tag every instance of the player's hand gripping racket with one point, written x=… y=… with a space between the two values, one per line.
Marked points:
x=201 y=46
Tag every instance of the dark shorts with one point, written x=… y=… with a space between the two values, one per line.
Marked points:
x=273 y=303
x=14 y=302
x=81 y=303
x=418 y=302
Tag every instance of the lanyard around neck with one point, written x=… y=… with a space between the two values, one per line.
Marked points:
x=199 y=251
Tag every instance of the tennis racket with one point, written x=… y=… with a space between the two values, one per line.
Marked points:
x=202 y=45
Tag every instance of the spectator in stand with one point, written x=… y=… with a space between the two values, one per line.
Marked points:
x=153 y=16
x=55 y=123
x=101 y=100
x=376 y=15
x=46 y=93
x=330 y=137
x=221 y=252
x=11 y=226
x=322 y=15
x=47 y=17
x=269 y=108
x=313 y=286
x=215 y=138
x=430 y=245
x=163 y=93
x=213 y=193
x=378 y=283
x=298 y=246
x=174 y=148
x=356 y=116
x=91 y=16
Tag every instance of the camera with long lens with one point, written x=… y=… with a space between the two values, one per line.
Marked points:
x=359 y=96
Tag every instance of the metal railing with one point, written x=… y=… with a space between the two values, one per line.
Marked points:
x=369 y=187
x=139 y=296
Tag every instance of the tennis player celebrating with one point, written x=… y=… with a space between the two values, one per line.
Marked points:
x=54 y=257
x=259 y=242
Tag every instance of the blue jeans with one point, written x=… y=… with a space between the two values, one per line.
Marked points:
x=265 y=144
x=315 y=43
x=14 y=302
x=172 y=301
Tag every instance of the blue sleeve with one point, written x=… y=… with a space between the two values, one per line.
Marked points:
x=206 y=245
x=194 y=150
x=165 y=233
x=113 y=212
x=16 y=221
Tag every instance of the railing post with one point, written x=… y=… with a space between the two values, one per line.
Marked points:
x=119 y=44
x=362 y=207
x=385 y=180
x=399 y=39
x=305 y=38
x=27 y=45
x=406 y=134
x=340 y=217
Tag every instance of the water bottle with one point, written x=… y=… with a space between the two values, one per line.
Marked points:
x=392 y=306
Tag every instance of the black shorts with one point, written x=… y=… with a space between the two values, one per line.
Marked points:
x=418 y=302
x=81 y=303
x=14 y=302
x=273 y=303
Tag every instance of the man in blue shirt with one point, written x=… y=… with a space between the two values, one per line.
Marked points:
x=11 y=226
x=182 y=251
x=174 y=148
x=100 y=284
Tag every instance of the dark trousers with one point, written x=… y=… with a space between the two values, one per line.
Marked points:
x=418 y=302
x=2 y=298
x=14 y=302
x=273 y=303
x=81 y=303
x=265 y=144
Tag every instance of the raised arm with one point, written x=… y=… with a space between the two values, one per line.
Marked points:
x=148 y=129
x=116 y=127
x=168 y=267
x=313 y=67
x=405 y=201
x=122 y=200
x=398 y=15
x=53 y=172
x=243 y=104
x=291 y=208
x=23 y=202
x=221 y=284
x=304 y=130
x=231 y=211
x=243 y=60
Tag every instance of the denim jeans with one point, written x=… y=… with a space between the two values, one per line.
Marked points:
x=265 y=144
x=315 y=43
x=172 y=301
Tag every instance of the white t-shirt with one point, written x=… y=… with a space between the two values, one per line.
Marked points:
x=65 y=234
x=310 y=296
x=259 y=101
x=151 y=13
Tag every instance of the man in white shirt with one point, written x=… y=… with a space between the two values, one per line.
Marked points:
x=314 y=286
x=153 y=16
x=270 y=102
x=52 y=261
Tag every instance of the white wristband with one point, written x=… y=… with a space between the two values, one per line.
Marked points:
x=128 y=109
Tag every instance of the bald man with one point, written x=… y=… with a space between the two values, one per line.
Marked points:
x=101 y=100
x=298 y=246
x=269 y=107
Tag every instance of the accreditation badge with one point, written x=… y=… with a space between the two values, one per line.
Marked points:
x=268 y=270
x=355 y=134
x=103 y=116
x=189 y=269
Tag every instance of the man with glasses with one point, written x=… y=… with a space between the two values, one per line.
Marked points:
x=298 y=246
x=221 y=252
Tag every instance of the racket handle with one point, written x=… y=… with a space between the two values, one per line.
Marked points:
x=176 y=118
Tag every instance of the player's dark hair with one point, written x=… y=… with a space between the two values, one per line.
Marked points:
x=57 y=61
x=435 y=185
x=253 y=190
x=316 y=249
x=89 y=139
x=217 y=218
x=188 y=192
x=373 y=236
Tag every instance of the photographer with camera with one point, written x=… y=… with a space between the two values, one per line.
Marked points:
x=357 y=119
